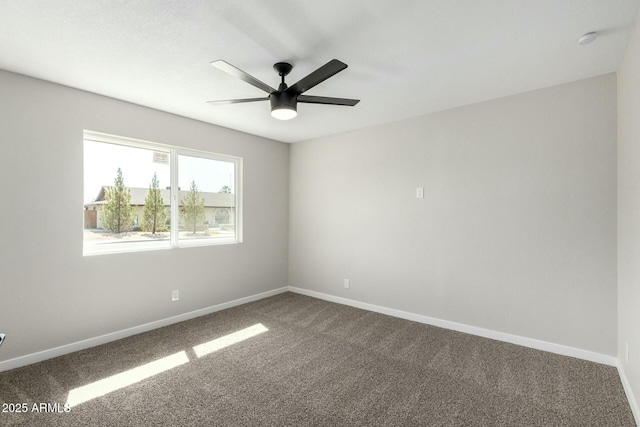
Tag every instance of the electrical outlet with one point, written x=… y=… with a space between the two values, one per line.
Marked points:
x=626 y=351
x=420 y=193
x=175 y=295
x=2 y=338
x=347 y=283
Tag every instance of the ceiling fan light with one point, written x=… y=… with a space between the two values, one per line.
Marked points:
x=284 y=113
x=284 y=105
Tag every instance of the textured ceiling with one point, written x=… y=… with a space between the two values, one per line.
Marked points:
x=405 y=58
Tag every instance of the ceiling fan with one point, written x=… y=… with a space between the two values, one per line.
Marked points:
x=284 y=101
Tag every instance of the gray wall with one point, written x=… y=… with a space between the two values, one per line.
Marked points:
x=629 y=214
x=517 y=229
x=516 y=233
x=50 y=295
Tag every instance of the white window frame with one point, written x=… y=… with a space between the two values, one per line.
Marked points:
x=174 y=151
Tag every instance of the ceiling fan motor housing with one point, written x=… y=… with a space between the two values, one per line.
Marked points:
x=283 y=100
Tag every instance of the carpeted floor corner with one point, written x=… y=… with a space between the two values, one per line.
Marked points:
x=316 y=363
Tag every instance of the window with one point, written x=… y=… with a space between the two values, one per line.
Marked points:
x=141 y=196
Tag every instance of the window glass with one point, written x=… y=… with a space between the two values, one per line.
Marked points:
x=206 y=189
x=130 y=205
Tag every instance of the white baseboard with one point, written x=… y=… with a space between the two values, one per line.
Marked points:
x=486 y=333
x=630 y=396
x=500 y=336
x=103 y=339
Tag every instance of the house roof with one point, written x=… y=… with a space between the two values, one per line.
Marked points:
x=138 y=195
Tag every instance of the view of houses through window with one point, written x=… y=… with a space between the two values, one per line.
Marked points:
x=141 y=196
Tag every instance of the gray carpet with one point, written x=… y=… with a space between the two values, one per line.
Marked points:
x=322 y=364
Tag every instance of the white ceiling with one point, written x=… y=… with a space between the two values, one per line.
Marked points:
x=406 y=58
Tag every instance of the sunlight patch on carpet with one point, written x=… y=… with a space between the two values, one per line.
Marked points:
x=124 y=379
x=227 y=340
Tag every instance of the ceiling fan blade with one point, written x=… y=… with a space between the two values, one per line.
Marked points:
x=327 y=100
x=238 y=73
x=236 y=101
x=318 y=76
